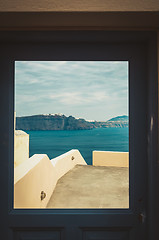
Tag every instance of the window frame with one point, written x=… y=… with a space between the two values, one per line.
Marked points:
x=10 y=42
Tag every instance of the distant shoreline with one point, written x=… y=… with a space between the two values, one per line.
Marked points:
x=61 y=122
x=78 y=129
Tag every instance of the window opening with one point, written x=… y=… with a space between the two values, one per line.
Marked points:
x=71 y=144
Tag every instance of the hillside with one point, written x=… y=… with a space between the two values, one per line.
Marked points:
x=61 y=122
x=119 y=121
x=119 y=118
x=51 y=122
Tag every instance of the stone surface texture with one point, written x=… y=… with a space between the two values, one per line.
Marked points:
x=92 y=187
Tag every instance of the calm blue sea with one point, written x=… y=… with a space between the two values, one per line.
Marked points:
x=55 y=143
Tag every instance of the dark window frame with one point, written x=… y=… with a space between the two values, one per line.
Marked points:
x=12 y=46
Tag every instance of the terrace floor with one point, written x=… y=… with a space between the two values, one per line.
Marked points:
x=87 y=186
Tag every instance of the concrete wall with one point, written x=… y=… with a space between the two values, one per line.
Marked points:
x=30 y=178
x=21 y=147
x=38 y=174
x=67 y=161
x=106 y=158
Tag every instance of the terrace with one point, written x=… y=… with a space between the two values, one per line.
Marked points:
x=67 y=181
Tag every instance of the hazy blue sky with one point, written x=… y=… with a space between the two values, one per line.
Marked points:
x=94 y=90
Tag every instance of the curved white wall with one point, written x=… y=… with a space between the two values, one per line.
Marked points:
x=67 y=161
x=38 y=174
x=30 y=178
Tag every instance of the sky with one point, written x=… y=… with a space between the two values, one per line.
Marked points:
x=93 y=90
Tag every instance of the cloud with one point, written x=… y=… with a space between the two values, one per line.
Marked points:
x=79 y=98
x=71 y=84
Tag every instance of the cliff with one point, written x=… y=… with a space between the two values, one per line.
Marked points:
x=61 y=122
x=51 y=122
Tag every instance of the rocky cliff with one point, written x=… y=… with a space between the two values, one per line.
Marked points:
x=51 y=122
x=61 y=122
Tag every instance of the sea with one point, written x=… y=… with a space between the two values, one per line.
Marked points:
x=55 y=143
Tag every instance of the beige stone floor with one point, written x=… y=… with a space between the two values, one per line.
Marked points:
x=88 y=186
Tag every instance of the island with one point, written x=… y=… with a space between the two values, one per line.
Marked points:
x=62 y=122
